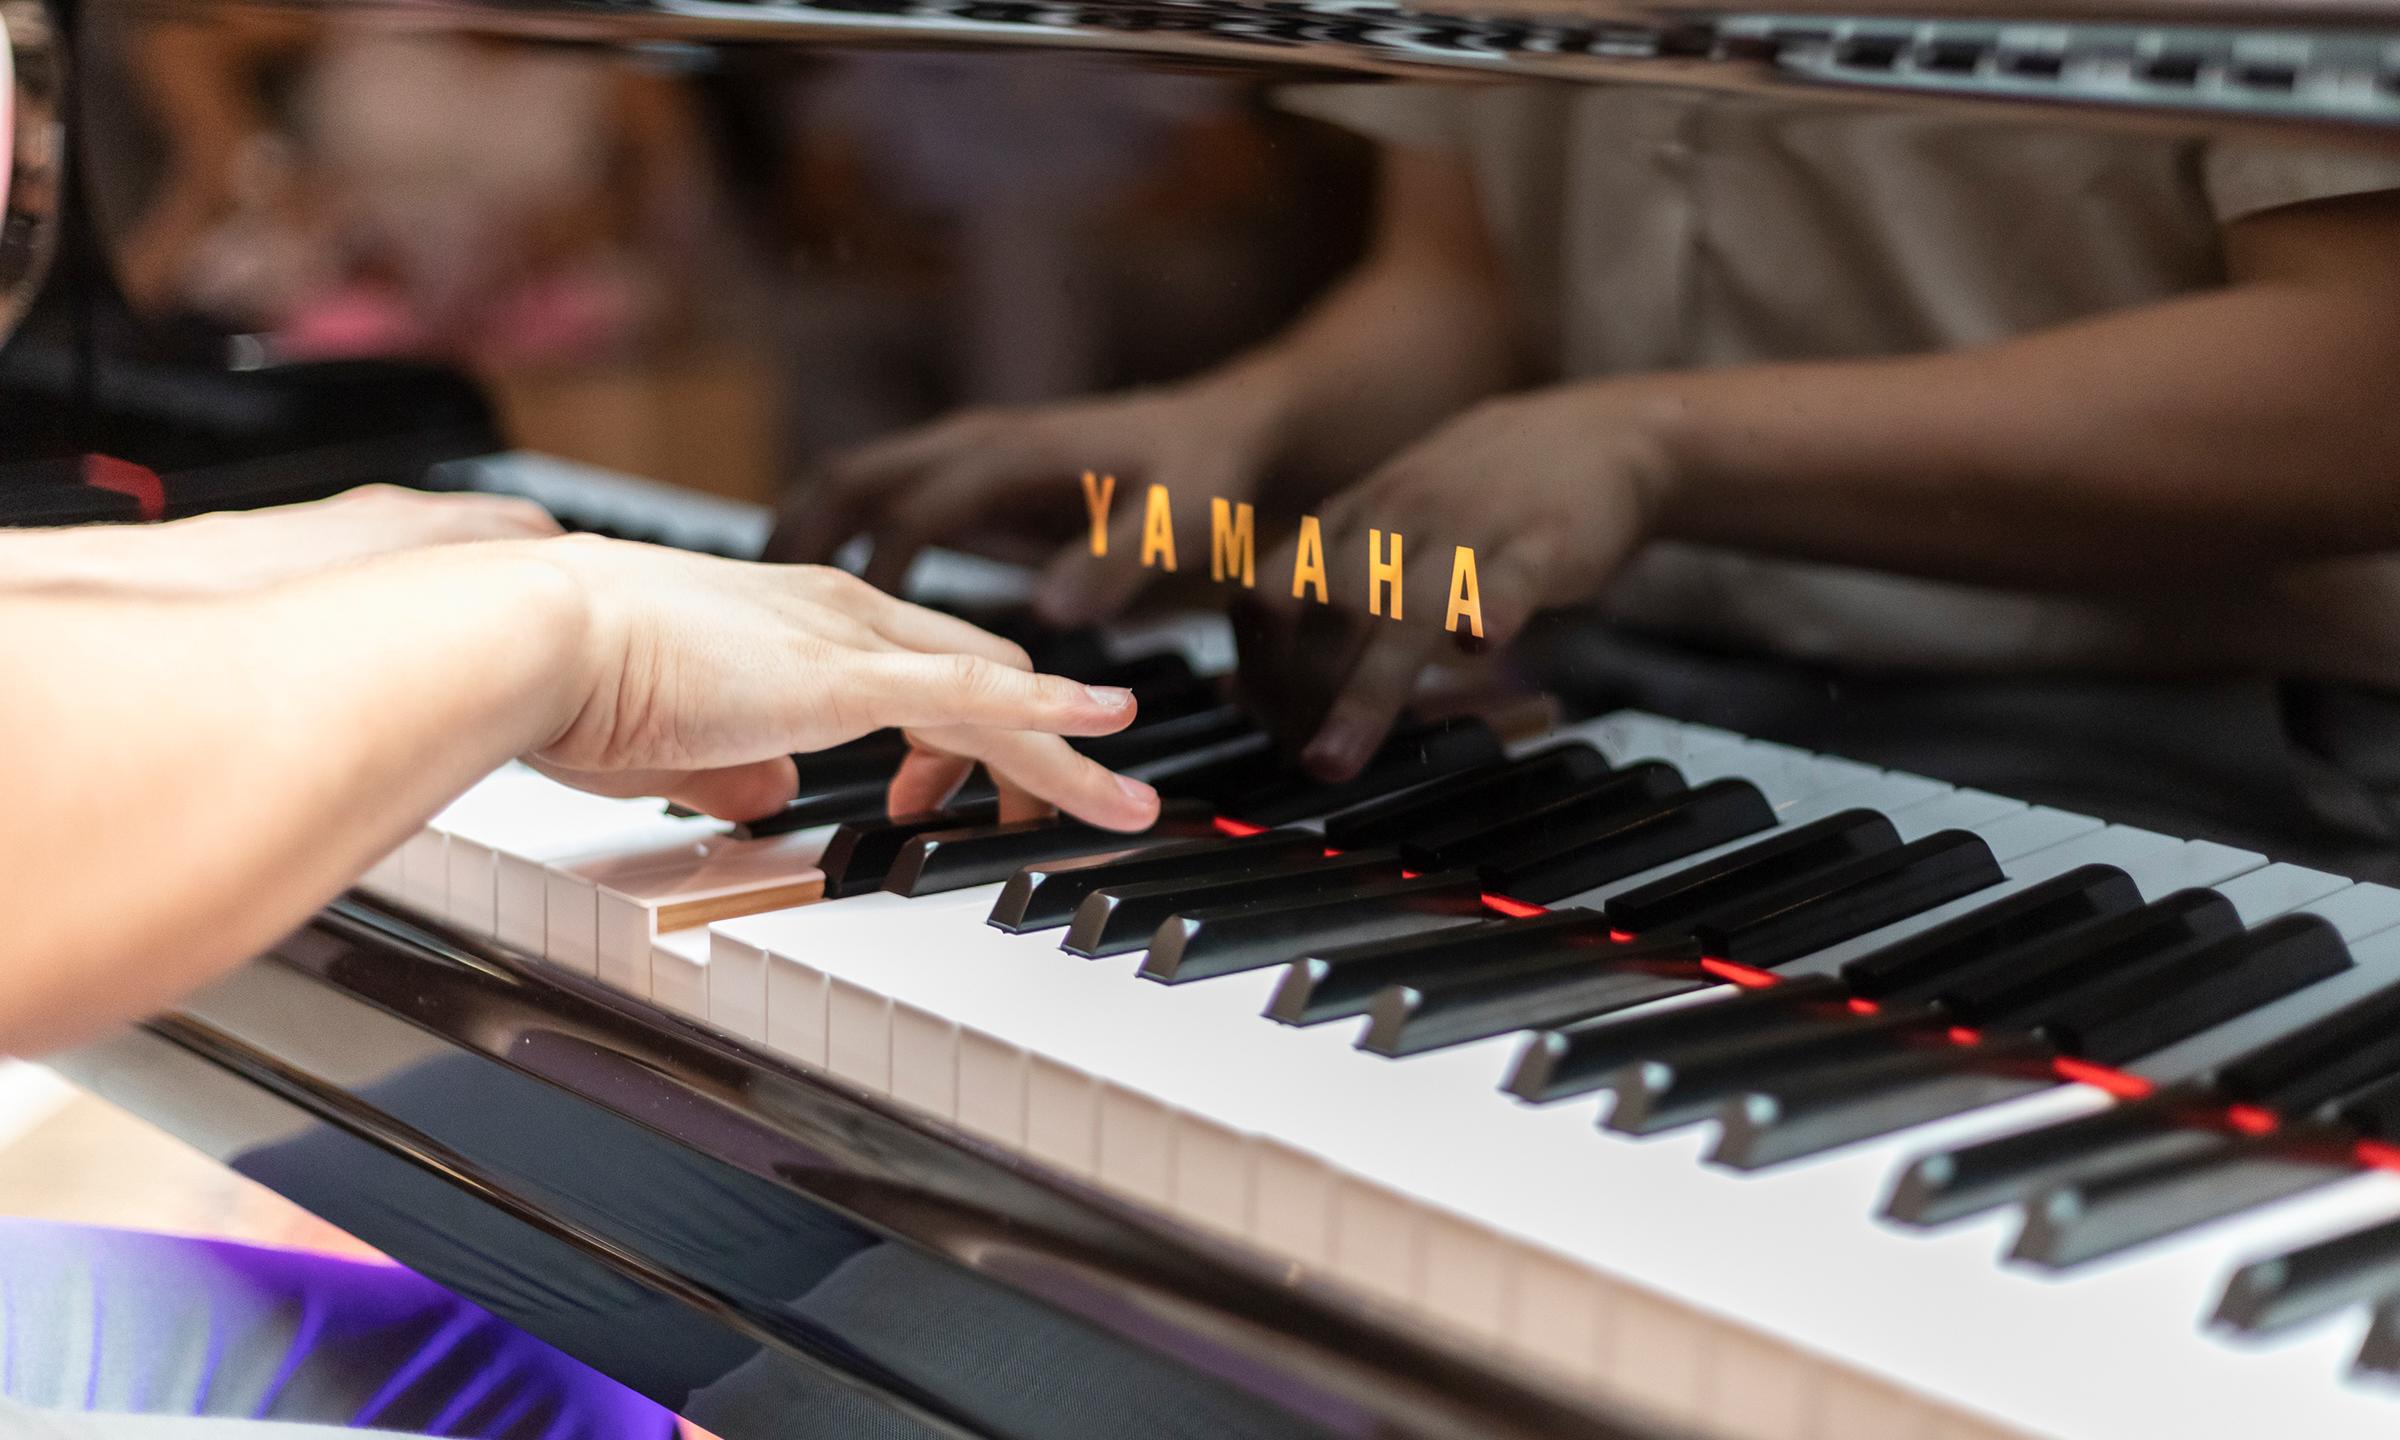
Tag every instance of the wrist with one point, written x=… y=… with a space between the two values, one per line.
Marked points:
x=544 y=601
x=1656 y=448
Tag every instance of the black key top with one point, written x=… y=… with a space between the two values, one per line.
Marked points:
x=1763 y=929
x=1840 y=1106
x=1253 y=934
x=2149 y=1007
x=1681 y=1087
x=1153 y=676
x=1952 y=1184
x=2274 y=1294
x=1406 y=760
x=1344 y=981
x=1043 y=896
x=871 y=757
x=980 y=855
x=2016 y=986
x=1591 y=849
x=1215 y=773
x=1124 y=917
x=2081 y=1220
x=862 y=799
x=1479 y=796
x=1913 y=967
x=1468 y=840
x=861 y=852
x=1578 y=1059
x=1673 y=900
x=2354 y=1046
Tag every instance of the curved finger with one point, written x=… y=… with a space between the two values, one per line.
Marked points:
x=1372 y=696
x=1048 y=769
x=926 y=780
x=914 y=690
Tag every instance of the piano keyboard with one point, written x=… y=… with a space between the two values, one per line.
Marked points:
x=2102 y=1080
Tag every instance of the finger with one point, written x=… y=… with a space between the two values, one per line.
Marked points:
x=921 y=691
x=1047 y=769
x=498 y=517
x=1372 y=697
x=1080 y=588
x=913 y=627
x=926 y=780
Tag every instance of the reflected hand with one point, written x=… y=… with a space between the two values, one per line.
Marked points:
x=992 y=480
x=700 y=675
x=1550 y=490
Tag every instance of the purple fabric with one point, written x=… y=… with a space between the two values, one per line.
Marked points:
x=121 y=1321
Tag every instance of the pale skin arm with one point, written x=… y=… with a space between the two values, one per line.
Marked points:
x=192 y=776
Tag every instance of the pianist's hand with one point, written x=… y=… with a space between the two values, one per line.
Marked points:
x=1008 y=483
x=1552 y=490
x=701 y=675
x=229 y=551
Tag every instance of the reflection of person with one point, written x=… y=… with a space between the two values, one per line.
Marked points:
x=2051 y=370
x=211 y=734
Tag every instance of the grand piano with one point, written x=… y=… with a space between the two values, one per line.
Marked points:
x=1737 y=1031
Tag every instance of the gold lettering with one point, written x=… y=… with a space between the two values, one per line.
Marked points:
x=1099 y=492
x=1382 y=572
x=1308 y=562
x=1232 y=546
x=1466 y=595
x=1158 y=531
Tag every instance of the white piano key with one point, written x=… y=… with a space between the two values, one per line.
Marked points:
x=522 y=879
x=858 y=1034
x=678 y=978
x=737 y=988
x=924 y=1050
x=1212 y=1174
x=1135 y=1148
x=717 y=878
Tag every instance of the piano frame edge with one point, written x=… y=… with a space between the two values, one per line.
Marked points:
x=270 y=1043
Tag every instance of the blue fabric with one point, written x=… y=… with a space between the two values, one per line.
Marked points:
x=116 y=1321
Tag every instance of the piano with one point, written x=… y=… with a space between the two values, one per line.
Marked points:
x=1663 y=1057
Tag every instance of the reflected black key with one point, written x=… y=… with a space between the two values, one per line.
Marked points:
x=1578 y=1059
x=984 y=854
x=1408 y=759
x=1044 y=896
x=1124 y=917
x=1683 y=1086
x=861 y=852
x=1338 y=982
x=1477 y=797
x=1766 y=928
x=1673 y=900
x=1952 y=1184
x=2143 y=1008
x=1914 y=967
x=2274 y=1294
x=1590 y=849
x=1252 y=934
x=2081 y=1220
x=1580 y=806
x=1149 y=741
x=1826 y=1109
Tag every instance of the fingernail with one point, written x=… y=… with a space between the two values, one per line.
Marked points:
x=1334 y=755
x=1135 y=789
x=1109 y=697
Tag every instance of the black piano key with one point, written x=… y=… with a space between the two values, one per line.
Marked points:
x=1579 y=1059
x=1043 y=896
x=2379 y=1353
x=1914 y=966
x=1406 y=760
x=2143 y=1009
x=1150 y=741
x=1548 y=823
x=1950 y=1185
x=1216 y=773
x=862 y=799
x=1806 y=850
x=2313 y=1281
x=1253 y=934
x=870 y=758
x=1590 y=849
x=1681 y=1087
x=1344 y=981
x=1824 y=1110
x=861 y=852
x=1472 y=798
x=1122 y=918
x=981 y=855
x=1155 y=675
x=2081 y=1220
x=2019 y=985
x=2321 y=1061
x=1768 y=927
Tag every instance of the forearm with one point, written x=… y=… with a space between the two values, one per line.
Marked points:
x=210 y=771
x=2236 y=430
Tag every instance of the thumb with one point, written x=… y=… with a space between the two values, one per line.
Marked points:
x=737 y=792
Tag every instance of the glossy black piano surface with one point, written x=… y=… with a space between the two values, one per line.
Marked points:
x=809 y=257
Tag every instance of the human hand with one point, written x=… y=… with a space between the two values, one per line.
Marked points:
x=1004 y=482
x=1551 y=491
x=700 y=675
